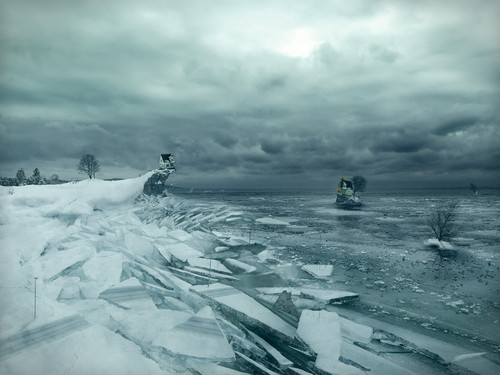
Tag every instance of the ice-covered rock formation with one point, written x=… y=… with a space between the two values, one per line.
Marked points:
x=156 y=184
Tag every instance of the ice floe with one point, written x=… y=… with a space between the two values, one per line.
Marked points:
x=320 y=271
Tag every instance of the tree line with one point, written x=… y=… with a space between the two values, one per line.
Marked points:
x=88 y=165
x=35 y=179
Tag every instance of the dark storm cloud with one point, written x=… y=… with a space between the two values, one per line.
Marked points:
x=306 y=91
x=455 y=125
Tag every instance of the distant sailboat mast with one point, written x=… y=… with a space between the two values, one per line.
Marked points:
x=473 y=188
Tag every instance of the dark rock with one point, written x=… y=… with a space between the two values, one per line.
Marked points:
x=156 y=184
x=285 y=303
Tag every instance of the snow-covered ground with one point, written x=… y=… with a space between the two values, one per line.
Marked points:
x=129 y=284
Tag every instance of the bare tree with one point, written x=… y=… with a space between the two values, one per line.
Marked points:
x=54 y=179
x=89 y=165
x=21 y=177
x=359 y=183
x=442 y=220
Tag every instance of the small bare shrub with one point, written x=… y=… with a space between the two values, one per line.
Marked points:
x=443 y=220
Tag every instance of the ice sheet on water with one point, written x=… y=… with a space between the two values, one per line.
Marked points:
x=243 y=303
x=319 y=271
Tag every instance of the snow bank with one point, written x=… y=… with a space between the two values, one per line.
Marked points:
x=69 y=199
x=432 y=242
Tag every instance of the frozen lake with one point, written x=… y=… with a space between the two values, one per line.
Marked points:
x=235 y=282
x=378 y=251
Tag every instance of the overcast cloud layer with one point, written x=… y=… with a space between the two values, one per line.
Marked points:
x=254 y=93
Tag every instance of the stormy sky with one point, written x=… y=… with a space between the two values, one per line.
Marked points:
x=254 y=93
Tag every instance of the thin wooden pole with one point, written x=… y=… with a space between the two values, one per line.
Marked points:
x=34 y=311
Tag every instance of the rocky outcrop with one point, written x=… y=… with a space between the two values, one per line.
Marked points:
x=156 y=184
x=285 y=303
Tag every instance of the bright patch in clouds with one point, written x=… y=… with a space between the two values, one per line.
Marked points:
x=301 y=42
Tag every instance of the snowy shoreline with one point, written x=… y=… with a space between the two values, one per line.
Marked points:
x=118 y=272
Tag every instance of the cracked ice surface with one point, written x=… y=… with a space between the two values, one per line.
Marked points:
x=124 y=284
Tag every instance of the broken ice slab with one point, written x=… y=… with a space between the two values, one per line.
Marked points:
x=475 y=362
x=322 y=295
x=248 y=308
x=215 y=369
x=129 y=294
x=138 y=245
x=260 y=367
x=321 y=331
x=70 y=290
x=183 y=252
x=191 y=277
x=40 y=334
x=298 y=371
x=146 y=326
x=282 y=361
x=438 y=350
x=355 y=332
x=62 y=263
x=162 y=250
x=106 y=353
x=239 y=266
x=211 y=264
x=279 y=290
x=319 y=271
x=328 y=296
x=105 y=268
x=208 y=273
x=199 y=337
x=230 y=240
x=243 y=345
x=374 y=363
